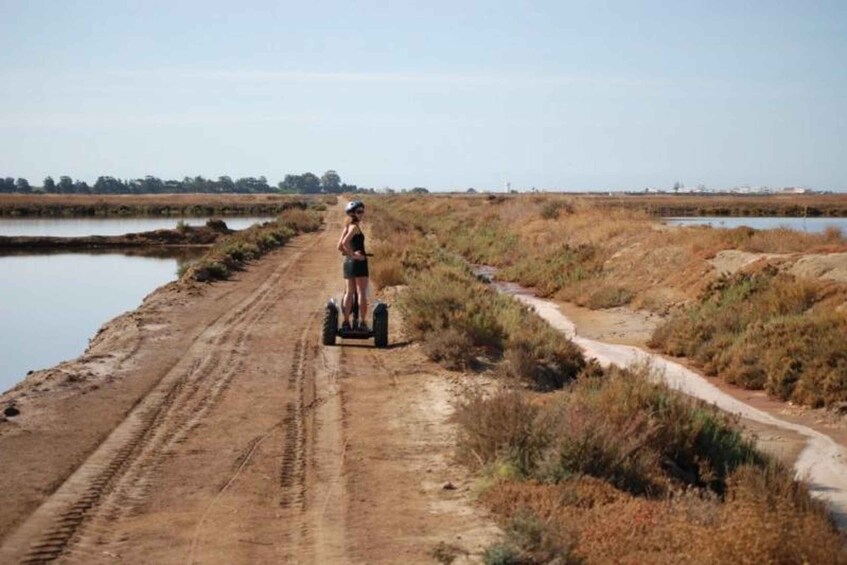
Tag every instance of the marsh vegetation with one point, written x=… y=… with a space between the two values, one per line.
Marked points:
x=774 y=327
x=582 y=463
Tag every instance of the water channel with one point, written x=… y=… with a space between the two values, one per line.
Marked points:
x=52 y=303
x=809 y=225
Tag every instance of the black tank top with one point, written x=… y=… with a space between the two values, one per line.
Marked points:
x=357 y=243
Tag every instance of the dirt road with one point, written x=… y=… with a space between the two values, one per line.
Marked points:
x=210 y=426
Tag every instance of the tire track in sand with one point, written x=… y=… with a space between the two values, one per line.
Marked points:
x=117 y=476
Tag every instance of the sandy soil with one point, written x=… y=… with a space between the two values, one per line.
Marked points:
x=825 y=266
x=211 y=426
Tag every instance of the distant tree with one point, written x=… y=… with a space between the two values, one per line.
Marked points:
x=676 y=186
x=7 y=184
x=331 y=182
x=309 y=184
x=22 y=185
x=419 y=190
x=224 y=184
x=65 y=186
x=109 y=185
x=471 y=191
x=49 y=184
x=288 y=185
x=81 y=187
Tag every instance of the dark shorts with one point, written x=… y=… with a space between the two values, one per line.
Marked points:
x=354 y=269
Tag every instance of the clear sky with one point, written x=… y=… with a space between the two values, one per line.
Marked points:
x=446 y=95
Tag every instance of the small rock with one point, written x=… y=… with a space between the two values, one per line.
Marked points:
x=11 y=411
x=840 y=408
x=449 y=486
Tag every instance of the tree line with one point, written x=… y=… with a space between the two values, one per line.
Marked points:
x=307 y=183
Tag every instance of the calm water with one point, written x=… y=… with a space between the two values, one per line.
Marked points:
x=50 y=305
x=810 y=225
x=76 y=227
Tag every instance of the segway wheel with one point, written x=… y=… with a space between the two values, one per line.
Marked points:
x=380 y=326
x=330 y=325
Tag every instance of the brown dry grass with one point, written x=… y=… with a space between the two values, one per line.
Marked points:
x=70 y=205
x=795 y=205
x=613 y=469
x=620 y=470
x=572 y=249
x=766 y=330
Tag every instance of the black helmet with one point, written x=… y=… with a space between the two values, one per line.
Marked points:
x=352 y=206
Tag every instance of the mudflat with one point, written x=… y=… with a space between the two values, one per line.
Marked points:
x=210 y=425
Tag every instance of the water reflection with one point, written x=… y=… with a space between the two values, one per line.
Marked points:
x=51 y=304
x=79 y=227
x=809 y=225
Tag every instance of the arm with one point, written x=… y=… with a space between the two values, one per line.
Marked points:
x=344 y=243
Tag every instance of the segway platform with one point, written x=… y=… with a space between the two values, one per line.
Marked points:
x=378 y=330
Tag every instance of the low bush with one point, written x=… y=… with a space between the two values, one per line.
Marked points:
x=552 y=209
x=636 y=434
x=765 y=517
x=234 y=251
x=765 y=330
x=462 y=317
x=621 y=469
x=500 y=429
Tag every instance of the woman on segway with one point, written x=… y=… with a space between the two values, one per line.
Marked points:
x=352 y=245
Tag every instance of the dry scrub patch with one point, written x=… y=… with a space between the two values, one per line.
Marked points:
x=614 y=468
x=604 y=257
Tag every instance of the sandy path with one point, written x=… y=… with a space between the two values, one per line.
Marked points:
x=230 y=435
x=822 y=462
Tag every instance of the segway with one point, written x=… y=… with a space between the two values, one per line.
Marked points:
x=378 y=331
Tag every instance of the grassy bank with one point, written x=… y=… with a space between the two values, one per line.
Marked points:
x=784 y=205
x=784 y=340
x=18 y=205
x=233 y=252
x=586 y=465
x=767 y=330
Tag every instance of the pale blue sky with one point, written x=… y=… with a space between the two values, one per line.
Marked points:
x=447 y=95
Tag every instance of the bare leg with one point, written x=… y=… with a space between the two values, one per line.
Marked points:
x=362 y=290
x=347 y=301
